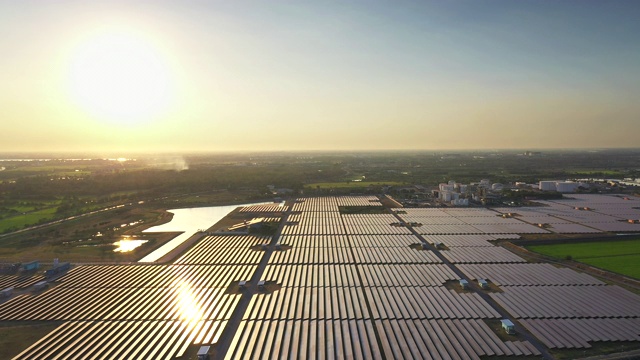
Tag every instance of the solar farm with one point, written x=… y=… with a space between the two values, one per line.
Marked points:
x=407 y=284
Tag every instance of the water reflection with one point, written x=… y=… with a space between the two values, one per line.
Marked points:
x=188 y=221
x=127 y=245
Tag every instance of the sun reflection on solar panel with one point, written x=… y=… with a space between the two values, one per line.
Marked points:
x=188 y=308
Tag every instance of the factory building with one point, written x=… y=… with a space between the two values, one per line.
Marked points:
x=560 y=186
x=547 y=185
x=451 y=193
x=567 y=186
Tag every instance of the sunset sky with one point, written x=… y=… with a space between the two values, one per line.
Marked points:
x=170 y=76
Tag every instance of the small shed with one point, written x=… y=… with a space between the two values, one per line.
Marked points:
x=40 y=285
x=464 y=284
x=203 y=352
x=483 y=283
x=508 y=326
x=33 y=265
x=6 y=292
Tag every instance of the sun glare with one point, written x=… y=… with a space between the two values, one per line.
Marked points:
x=120 y=77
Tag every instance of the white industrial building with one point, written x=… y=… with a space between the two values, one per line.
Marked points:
x=451 y=191
x=567 y=186
x=547 y=185
x=560 y=186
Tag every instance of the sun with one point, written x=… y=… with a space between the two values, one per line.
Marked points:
x=120 y=77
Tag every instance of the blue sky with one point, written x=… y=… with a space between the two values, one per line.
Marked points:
x=289 y=75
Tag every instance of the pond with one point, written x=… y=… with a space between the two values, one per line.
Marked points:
x=189 y=221
x=127 y=245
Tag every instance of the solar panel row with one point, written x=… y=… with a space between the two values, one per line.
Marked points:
x=527 y=275
x=577 y=333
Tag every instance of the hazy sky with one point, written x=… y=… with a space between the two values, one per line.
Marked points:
x=287 y=75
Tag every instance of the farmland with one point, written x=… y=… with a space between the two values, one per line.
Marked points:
x=87 y=239
x=27 y=218
x=621 y=257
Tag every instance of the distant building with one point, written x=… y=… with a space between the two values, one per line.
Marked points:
x=547 y=185
x=453 y=193
x=532 y=153
x=560 y=186
x=460 y=202
x=446 y=187
x=567 y=186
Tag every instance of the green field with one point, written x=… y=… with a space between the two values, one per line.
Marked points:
x=32 y=218
x=352 y=184
x=620 y=256
x=16 y=214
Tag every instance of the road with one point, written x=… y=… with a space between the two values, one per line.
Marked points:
x=251 y=289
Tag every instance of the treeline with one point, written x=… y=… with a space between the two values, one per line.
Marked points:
x=152 y=181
